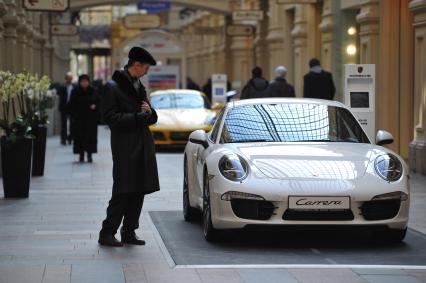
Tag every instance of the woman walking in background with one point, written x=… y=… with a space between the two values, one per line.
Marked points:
x=83 y=107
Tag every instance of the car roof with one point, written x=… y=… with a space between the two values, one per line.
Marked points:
x=294 y=100
x=178 y=91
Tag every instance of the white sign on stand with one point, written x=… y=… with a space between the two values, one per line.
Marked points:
x=219 y=88
x=360 y=95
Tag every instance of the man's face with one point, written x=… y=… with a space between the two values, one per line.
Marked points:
x=141 y=69
x=68 y=79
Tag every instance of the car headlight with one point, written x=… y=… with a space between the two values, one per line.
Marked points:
x=388 y=167
x=233 y=167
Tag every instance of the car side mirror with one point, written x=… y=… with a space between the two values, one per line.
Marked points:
x=231 y=93
x=199 y=137
x=383 y=137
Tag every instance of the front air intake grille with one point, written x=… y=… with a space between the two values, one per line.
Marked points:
x=252 y=209
x=159 y=136
x=318 y=215
x=179 y=136
x=380 y=209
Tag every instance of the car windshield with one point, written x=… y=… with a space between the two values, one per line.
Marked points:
x=291 y=122
x=179 y=100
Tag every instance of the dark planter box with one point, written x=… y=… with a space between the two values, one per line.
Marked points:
x=39 y=151
x=16 y=167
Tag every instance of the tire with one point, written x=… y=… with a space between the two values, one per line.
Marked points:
x=210 y=234
x=189 y=213
x=390 y=235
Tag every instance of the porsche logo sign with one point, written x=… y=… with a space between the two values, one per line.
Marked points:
x=46 y=5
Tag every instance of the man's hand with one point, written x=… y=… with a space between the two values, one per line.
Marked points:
x=145 y=107
x=93 y=106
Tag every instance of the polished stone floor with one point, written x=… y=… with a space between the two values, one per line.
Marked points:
x=52 y=235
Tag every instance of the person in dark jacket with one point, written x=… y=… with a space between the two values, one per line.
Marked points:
x=256 y=87
x=207 y=89
x=190 y=84
x=64 y=93
x=129 y=114
x=280 y=87
x=83 y=107
x=318 y=83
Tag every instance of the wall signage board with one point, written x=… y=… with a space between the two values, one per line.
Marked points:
x=239 y=30
x=63 y=29
x=140 y=21
x=46 y=5
x=162 y=77
x=297 y=1
x=247 y=15
x=154 y=7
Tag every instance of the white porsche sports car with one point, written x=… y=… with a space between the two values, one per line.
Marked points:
x=290 y=161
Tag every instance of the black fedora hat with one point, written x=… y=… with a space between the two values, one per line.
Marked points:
x=141 y=55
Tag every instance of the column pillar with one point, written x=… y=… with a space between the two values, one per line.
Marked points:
x=29 y=51
x=275 y=39
x=10 y=22
x=326 y=28
x=38 y=44
x=3 y=11
x=261 y=43
x=21 y=41
x=368 y=19
x=300 y=37
x=418 y=145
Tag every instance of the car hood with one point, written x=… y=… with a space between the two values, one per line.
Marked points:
x=344 y=161
x=183 y=119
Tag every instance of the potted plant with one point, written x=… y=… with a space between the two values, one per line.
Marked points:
x=16 y=143
x=38 y=100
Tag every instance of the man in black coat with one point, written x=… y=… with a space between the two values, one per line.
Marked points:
x=64 y=93
x=280 y=87
x=128 y=114
x=256 y=87
x=318 y=83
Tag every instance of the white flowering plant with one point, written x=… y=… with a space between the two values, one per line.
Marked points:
x=23 y=97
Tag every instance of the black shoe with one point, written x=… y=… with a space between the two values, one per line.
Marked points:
x=89 y=158
x=110 y=241
x=131 y=239
x=81 y=159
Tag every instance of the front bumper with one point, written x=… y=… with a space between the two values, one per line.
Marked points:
x=274 y=211
x=173 y=137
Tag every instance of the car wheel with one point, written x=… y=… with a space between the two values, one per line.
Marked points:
x=189 y=213
x=390 y=235
x=210 y=234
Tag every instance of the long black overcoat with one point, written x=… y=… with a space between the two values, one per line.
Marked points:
x=132 y=145
x=85 y=119
x=319 y=85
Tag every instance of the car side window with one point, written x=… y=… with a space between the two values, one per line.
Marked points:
x=216 y=126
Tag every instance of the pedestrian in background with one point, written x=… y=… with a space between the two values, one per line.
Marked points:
x=128 y=114
x=83 y=107
x=280 y=87
x=64 y=93
x=256 y=87
x=318 y=83
x=207 y=89
x=190 y=84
